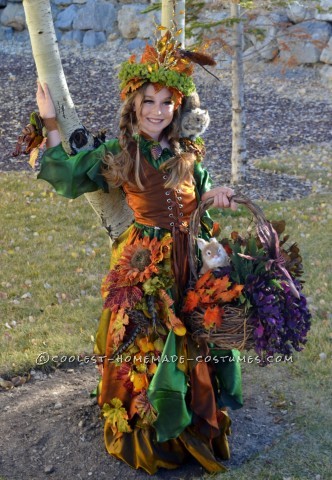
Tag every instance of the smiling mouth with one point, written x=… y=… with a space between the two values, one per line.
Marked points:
x=153 y=120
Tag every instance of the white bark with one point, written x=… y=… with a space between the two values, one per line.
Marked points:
x=180 y=20
x=239 y=150
x=167 y=9
x=173 y=14
x=112 y=209
x=48 y=63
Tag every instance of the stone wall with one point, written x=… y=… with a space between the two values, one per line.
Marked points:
x=90 y=22
x=298 y=35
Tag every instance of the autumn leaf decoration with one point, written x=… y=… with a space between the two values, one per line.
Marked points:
x=117 y=417
x=192 y=301
x=139 y=381
x=145 y=409
x=209 y=295
x=213 y=317
x=150 y=55
x=119 y=327
x=172 y=321
x=34 y=154
x=127 y=297
x=131 y=86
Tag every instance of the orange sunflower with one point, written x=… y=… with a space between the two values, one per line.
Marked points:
x=139 y=261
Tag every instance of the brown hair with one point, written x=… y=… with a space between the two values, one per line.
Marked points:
x=124 y=166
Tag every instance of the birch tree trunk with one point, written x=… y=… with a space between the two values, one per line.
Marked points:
x=239 y=149
x=180 y=20
x=111 y=208
x=173 y=12
x=49 y=68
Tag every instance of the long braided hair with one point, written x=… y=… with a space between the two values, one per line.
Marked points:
x=123 y=167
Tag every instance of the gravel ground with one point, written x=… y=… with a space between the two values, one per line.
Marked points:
x=50 y=426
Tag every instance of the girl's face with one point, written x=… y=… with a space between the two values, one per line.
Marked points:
x=154 y=111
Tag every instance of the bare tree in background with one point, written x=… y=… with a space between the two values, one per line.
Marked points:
x=239 y=149
x=173 y=13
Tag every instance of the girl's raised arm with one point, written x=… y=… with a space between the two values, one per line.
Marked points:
x=47 y=112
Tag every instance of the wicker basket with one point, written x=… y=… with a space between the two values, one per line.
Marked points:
x=235 y=331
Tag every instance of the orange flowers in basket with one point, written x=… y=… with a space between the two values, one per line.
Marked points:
x=209 y=294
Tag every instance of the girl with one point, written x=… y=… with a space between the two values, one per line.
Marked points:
x=162 y=402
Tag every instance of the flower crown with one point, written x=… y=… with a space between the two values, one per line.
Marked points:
x=165 y=65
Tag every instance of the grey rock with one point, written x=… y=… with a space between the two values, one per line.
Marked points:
x=326 y=14
x=268 y=26
x=136 y=44
x=268 y=49
x=73 y=36
x=304 y=42
x=13 y=16
x=146 y=24
x=141 y=1
x=326 y=75
x=22 y=37
x=213 y=15
x=251 y=55
x=113 y=36
x=299 y=13
x=93 y=39
x=55 y=10
x=49 y=469
x=98 y=16
x=58 y=34
x=129 y=19
x=326 y=55
x=6 y=33
x=66 y=3
x=66 y=17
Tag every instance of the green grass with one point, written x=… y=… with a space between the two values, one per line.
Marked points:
x=312 y=162
x=304 y=451
x=55 y=250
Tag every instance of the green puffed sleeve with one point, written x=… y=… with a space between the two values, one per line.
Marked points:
x=202 y=179
x=73 y=175
x=203 y=184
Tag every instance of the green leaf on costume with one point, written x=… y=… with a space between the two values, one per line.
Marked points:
x=161 y=282
x=117 y=416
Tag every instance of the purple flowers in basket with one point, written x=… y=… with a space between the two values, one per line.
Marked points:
x=281 y=320
x=269 y=312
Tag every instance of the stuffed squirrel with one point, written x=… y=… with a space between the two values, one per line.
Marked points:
x=194 y=121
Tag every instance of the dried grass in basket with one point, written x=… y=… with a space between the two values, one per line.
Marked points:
x=235 y=331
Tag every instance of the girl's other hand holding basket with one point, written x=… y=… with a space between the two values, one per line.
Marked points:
x=221 y=197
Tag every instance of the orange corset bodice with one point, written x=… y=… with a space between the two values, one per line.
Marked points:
x=157 y=206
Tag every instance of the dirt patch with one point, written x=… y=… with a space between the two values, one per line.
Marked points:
x=50 y=428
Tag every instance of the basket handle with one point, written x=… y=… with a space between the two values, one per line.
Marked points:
x=265 y=231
